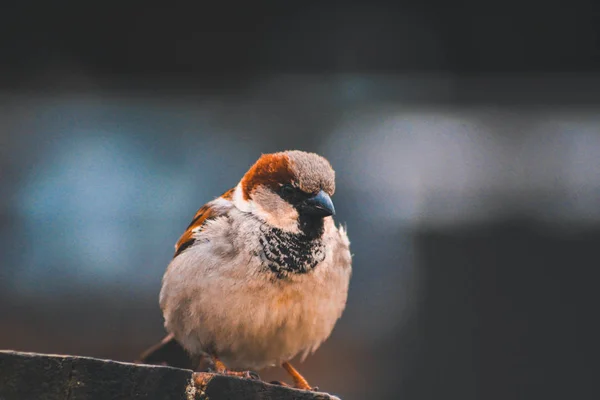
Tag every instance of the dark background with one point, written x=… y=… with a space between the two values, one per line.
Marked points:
x=466 y=139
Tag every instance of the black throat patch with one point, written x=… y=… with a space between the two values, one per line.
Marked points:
x=290 y=253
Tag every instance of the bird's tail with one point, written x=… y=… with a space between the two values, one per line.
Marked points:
x=167 y=352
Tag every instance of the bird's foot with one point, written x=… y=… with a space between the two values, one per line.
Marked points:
x=299 y=381
x=220 y=368
x=242 y=374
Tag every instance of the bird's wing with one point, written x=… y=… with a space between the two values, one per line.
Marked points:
x=168 y=351
x=207 y=212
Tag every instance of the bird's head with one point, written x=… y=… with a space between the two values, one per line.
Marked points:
x=290 y=190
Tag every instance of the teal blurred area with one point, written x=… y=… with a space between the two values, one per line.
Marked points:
x=98 y=185
x=465 y=139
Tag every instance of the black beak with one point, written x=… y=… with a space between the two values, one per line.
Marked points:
x=319 y=205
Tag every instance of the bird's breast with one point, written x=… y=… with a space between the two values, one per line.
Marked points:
x=284 y=253
x=272 y=296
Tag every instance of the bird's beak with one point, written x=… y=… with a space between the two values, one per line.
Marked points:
x=319 y=205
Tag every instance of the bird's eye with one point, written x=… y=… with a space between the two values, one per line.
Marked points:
x=287 y=190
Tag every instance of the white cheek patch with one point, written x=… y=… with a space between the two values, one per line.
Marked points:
x=272 y=209
x=286 y=220
x=239 y=202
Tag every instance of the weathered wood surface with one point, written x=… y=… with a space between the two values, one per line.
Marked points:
x=25 y=376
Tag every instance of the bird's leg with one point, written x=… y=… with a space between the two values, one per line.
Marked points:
x=220 y=368
x=299 y=381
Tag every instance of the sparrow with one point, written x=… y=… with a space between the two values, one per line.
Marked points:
x=261 y=273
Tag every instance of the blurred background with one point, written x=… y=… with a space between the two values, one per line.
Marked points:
x=466 y=140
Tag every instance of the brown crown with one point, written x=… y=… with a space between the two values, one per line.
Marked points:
x=271 y=170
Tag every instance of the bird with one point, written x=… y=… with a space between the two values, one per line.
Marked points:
x=261 y=274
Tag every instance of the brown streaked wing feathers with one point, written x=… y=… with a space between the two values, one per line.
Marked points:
x=205 y=213
x=228 y=195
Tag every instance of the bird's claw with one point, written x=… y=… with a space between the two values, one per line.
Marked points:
x=242 y=374
x=251 y=375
